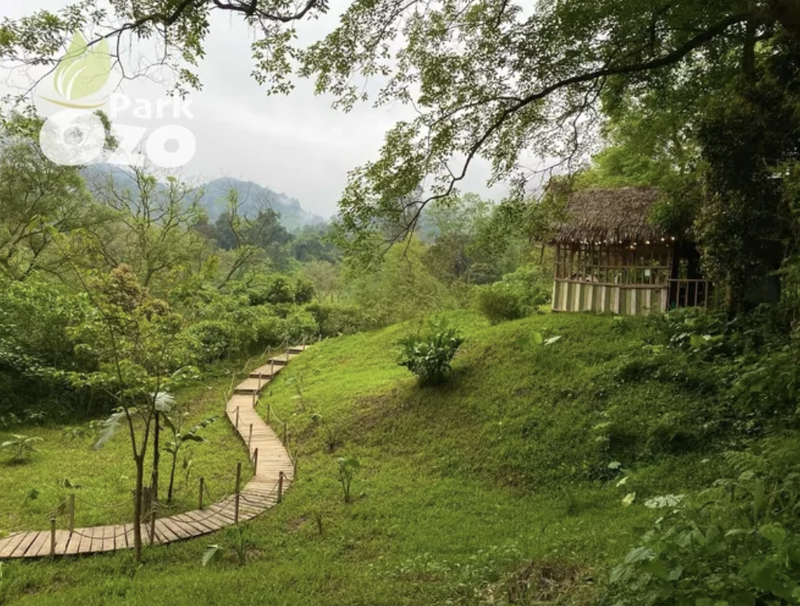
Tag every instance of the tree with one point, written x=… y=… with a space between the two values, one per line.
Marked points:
x=136 y=339
x=38 y=199
x=489 y=79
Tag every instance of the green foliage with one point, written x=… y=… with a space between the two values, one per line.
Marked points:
x=517 y=295
x=348 y=466
x=428 y=355
x=334 y=319
x=21 y=446
x=735 y=543
x=210 y=340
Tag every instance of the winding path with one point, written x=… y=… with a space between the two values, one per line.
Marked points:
x=273 y=466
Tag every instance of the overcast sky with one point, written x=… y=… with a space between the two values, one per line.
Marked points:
x=297 y=145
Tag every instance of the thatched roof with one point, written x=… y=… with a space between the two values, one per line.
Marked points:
x=610 y=215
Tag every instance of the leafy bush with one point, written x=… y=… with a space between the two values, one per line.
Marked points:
x=210 y=340
x=334 y=319
x=517 y=295
x=736 y=543
x=500 y=302
x=299 y=326
x=428 y=356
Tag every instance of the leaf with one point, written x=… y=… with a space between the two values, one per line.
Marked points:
x=623 y=481
x=614 y=465
x=163 y=401
x=552 y=340
x=774 y=533
x=110 y=427
x=656 y=568
x=639 y=554
x=538 y=338
x=84 y=70
x=629 y=499
x=212 y=553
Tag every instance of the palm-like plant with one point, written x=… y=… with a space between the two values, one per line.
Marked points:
x=21 y=445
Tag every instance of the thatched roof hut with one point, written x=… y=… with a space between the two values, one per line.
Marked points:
x=610 y=216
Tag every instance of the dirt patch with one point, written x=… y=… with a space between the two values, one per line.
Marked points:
x=556 y=583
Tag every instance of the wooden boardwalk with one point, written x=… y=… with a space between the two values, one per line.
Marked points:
x=260 y=494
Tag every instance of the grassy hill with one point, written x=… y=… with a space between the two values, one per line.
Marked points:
x=505 y=476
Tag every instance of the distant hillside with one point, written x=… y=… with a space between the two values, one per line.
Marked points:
x=251 y=195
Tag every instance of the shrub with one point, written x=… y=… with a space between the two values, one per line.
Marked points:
x=334 y=319
x=268 y=327
x=736 y=543
x=428 y=356
x=517 y=295
x=300 y=325
x=210 y=340
x=500 y=302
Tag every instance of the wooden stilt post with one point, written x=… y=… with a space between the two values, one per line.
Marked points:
x=53 y=536
x=200 y=498
x=238 y=486
x=250 y=436
x=280 y=487
x=255 y=462
x=71 y=512
x=152 y=522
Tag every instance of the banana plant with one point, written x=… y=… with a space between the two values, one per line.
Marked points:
x=179 y=438
x=22 y=446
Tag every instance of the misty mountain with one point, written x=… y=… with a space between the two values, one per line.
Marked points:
x=252 y=196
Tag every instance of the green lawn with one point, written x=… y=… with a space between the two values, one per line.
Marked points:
x=102 y=480
x=467 y=491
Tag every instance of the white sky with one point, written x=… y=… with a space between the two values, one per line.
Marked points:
x=297 y=145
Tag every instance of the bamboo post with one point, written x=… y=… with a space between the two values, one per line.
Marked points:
x=280 y=486
x=237 y=417
x=200 y=498
x=71 y=512
x=236 y=501
x=153 y=522
x=255 y=461
x=53 y=536
x=284 y=433
x=250 y=436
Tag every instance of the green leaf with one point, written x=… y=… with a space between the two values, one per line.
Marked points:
x=774 y=533
x=656 y=568
x=552 y=340
x=211 y=554
x=629 y=499
x=110 y=427
x=538 y=338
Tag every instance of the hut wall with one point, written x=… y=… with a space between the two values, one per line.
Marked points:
x=616 y=278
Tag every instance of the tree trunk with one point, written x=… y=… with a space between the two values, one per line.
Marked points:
x=156 y=457
x=172 y=478
x=137 y=508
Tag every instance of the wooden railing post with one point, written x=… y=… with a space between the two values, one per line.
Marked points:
x=268 y=411
x=250 y=436
x=53 y=536
x=238 y=486
x=71 y=512
x=255 y=462
x=200 y=498
x=237 y=417
x=294 y=466
x=255 y=398
x=284 y=433
x=280 y=486
x=153 y=521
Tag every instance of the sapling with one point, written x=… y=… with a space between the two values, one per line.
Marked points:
x=347 y=469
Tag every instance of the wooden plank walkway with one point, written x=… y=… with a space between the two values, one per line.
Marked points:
x=259 y=495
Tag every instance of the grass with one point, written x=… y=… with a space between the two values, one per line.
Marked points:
x=102 y=480
x=503 y=481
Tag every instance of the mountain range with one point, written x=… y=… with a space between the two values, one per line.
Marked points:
x=252 y=196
